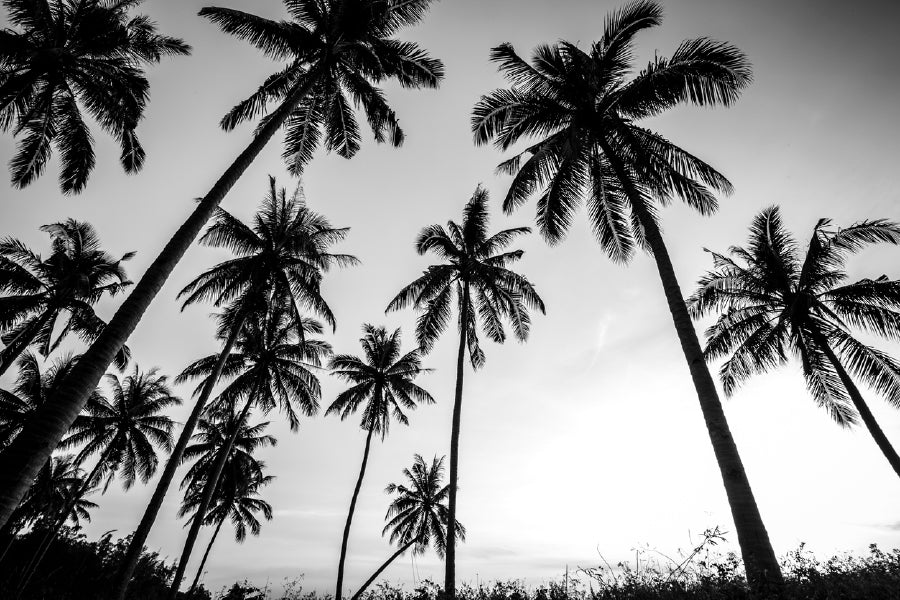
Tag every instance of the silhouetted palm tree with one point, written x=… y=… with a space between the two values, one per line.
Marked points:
x=281 y=258
x=773 y=303
x=418 y=516
x=383 y=379
x=350 y=39
x=65 y=56
x=38 y=292
x=270 y=368
x=476 y=273
x=581 y=110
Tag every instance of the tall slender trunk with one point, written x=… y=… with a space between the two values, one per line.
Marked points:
x=867 y=417
x=17 y=345
x=450 y=556
x=209 y=489
x=60 y=520
x=375 y=575
x=760 y=562
x=359 y=480
x=205 y=556
x=136 y=546
x=21 y=461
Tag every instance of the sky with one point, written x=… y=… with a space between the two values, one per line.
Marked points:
x=587 y=441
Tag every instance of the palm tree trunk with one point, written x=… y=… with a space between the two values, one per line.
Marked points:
x=867 y=417
x=208 y=491
x=362 y=473
x=375 y=575
x=760 y=562
x=136 y=546
x=21 y=461
x=205 y=556
x=450 y=556
x=18 y=344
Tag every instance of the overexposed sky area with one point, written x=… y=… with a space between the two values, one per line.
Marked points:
x=588 y=439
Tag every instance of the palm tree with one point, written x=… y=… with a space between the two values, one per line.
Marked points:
x=418 y=517
x=76 y=275
x=68 y=56
x=271 y=367
x=237 y=498
x=580 y=109
x=330 y=40
x=774 y=304
x=384 y=380
x=475 y=271
x=124 y=434
x=281 y=257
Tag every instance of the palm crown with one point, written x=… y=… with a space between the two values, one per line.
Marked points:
x=76 y=275
x=66 y=56
x=773 y=303
x=58 y=485
x=582 y=106
x=336 y=51
x=475 y=270
x=383 y=378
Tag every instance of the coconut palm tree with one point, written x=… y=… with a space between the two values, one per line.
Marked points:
x=281 y=257
x=475 y=272
x=349 y=41
x=579 y=110
x=271 y=367
x=773 y=303
x=383 y=379
x=39 y=292
x=418 y=517
x=60 y=59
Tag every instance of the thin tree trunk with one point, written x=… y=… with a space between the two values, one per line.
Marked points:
x=760 y=562
x=17 y=345
x=867 y=417
x=136 y=546
x=21 y=461
x=209 y=489
x=450 y=556
x=205 y=556
x=362 y=473
x=375 y=575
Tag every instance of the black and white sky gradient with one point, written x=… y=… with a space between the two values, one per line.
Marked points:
x=588 y=438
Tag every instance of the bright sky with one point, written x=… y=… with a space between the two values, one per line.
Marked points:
x=588 y=439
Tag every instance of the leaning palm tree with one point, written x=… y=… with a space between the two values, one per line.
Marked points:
x=271 y=367
x=418 y=517
x=773 y=303
x=281 y=257
x=383 y=379
x=40 y=292
x=329 y=42
x=580 y=110
x=65 y=57
x=475 y=271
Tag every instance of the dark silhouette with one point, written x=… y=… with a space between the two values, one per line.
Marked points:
x=475 y=271
x=582 y=108
x=383 y=379
x=66 y=56
x=773 y=303
x=329 y=43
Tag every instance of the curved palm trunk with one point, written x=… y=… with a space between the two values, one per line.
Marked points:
x=205 y=556
x=136 y=546
x=362 y=473
x=18 y=344
x=21 y=461
x=450 y=556
x=209 y=489
x=867 y=417
x=760 y=562
x=375 y=575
